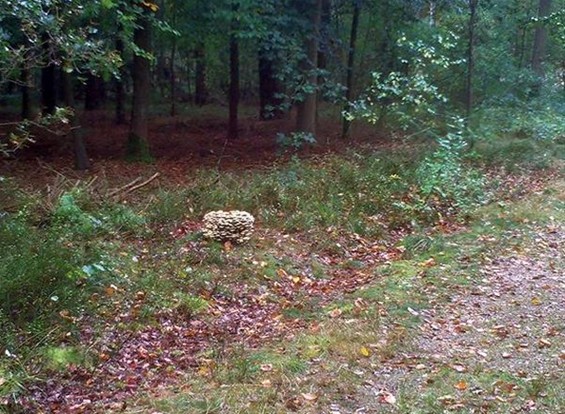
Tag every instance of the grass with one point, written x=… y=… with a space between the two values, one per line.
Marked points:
x=78 y=255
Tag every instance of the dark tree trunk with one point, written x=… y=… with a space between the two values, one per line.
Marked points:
x=473 y=4
x=138 y=145
x=351 y=63
x=119 y=84
x=79 y=147
x=306 y=109
x=94 y=93
x=234 y=76
x=26 y=95
x=200 y=89
x=540 y=40
x=173 y=77
x=269 y=86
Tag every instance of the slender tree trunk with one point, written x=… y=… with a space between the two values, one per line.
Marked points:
x=138 y=145
x=188 y=63
x=25 y=89
x=200 y=89
x=351 y=63
x=173 y=78
x=234 y=76
x=119 y=84
x=473 y=4
x=79 y=147
x=306 y=110
x=540 y=40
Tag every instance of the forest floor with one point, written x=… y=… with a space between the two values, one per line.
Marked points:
x=463 y=316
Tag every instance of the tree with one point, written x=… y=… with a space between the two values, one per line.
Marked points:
x=234 y=72
x=540 y=39
x=306 y=108
x=351 y=62
x=138 y=144
x=473 y=4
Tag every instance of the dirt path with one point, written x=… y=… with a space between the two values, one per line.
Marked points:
x=497 y=346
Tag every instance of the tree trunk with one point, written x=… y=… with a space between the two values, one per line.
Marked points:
x=25 y=89
x=350 y=63
x=269 y=87
x=119 y=84
x=138 y=145
x=79 y=147
x=234 y=76
x=540 y=40
x=473 y=4
x=173 y=77
x=200 y=89
x=94 y=92
x=306 y=109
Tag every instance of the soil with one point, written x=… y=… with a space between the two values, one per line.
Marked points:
x=179 y=145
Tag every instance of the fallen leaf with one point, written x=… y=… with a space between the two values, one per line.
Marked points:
x=310 y=396
x=2 y=381
x=266 y=383
x=428 y=263
x=536 y=301
x=459 y=368
x=266 y=367
x=110 y=290
x=461 y=385
x=335 y=313
x=446 y=399
x=366 y=352
x=387 y=397
x=544 y=343
x=228 y=247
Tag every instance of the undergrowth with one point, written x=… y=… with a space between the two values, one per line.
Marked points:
x=77 y=254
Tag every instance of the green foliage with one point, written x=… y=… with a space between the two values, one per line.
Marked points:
x=444 y=175
x=295 y=140
x=37 y=272
x=410 y=97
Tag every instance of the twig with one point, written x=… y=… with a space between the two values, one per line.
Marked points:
x=113 y=193
x=138 y=186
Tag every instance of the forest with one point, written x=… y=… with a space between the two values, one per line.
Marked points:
x=282 y=206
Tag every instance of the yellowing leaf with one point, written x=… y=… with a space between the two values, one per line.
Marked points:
x=536 y=301
x=366 y=352
x=295 y=279
x=461 y=385
x=429 y=263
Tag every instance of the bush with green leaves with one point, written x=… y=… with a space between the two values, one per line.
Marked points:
x=410 y=98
